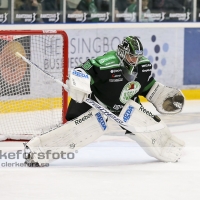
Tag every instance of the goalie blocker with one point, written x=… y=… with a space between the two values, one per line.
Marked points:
x=91 y=125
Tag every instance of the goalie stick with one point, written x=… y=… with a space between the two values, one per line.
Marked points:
x=135 y=129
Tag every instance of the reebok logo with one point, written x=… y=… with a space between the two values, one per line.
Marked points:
x=146 y=111
x=79 y=121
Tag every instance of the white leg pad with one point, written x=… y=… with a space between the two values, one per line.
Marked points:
x=160 y=144
x=70 y=137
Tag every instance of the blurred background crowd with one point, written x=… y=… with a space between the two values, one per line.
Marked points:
x=84 y=11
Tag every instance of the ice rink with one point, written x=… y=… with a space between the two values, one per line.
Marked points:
x=113 y=167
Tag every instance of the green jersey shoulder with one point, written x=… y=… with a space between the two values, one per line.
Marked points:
x=144 y=61
x=107 y=61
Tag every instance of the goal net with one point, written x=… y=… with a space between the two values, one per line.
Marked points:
x=30 y=102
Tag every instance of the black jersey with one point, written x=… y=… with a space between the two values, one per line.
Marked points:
x=110 y=86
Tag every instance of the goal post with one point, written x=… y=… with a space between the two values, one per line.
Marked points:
x=30 y=102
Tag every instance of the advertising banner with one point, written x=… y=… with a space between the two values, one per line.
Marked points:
x=5 y=12
x=192 y=56
x=162 y=46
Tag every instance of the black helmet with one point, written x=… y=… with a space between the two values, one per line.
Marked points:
x=129 y=51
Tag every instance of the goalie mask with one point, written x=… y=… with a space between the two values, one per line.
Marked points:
x=129 y=51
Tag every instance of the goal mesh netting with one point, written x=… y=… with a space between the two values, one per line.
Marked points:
x=30 y=102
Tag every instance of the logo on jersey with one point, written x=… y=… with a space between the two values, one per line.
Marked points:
x=87 y=65
x=129 y=90
x=101 y=121
x=146 y=70
x=116 y=80
x=118 y=107
x=115 y=70
x=115 y=75
x=128 y=113
x=146 y=65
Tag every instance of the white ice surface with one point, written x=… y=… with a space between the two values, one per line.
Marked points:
x=111 y=168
